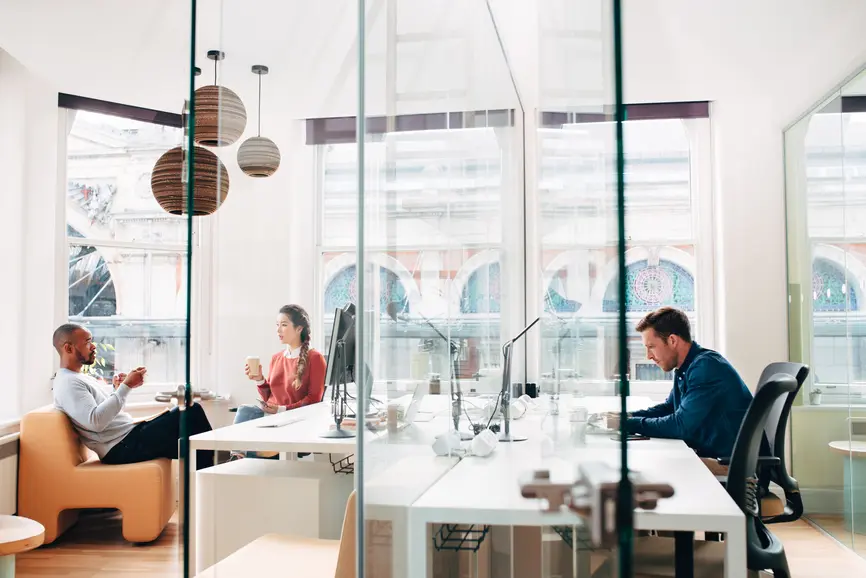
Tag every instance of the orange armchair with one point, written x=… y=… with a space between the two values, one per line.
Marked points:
x=57 y=476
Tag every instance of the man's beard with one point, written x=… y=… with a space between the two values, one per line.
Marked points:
x=89 y=360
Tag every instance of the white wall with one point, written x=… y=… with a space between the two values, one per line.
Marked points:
x=30 y=140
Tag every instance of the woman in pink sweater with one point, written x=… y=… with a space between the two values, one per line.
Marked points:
x=297 y=374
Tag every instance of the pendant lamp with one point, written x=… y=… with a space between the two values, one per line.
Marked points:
x=259 y=156
x=210 y=182
x=220 y=115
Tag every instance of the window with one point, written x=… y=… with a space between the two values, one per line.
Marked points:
x=127 y=257
x=434 y=226
x=444 y=226
x=668 y=200
x=834 y=149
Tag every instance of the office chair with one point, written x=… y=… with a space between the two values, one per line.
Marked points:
x=776 y=431
x=763 y=550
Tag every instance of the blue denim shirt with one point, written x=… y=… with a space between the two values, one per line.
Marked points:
x=704 y=409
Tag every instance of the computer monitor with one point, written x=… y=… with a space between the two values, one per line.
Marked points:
x=342 y=330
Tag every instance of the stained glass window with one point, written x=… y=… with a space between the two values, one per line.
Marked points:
x=483 y=291
x=554 y=298
x=343 y=289
x=649 y=287
x=829 y=288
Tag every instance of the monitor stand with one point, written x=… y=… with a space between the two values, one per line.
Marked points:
x=510 y=437
x=337 y=433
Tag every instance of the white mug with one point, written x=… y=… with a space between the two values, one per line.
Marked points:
x=255 y=365
x=484 y=443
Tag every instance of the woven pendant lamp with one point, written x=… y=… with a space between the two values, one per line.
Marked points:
x=220 y=115
x=259 y=156
x=210 y=184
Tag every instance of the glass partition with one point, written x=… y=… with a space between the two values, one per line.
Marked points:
x=440 y=236
x=824 y=154
x=385 y=173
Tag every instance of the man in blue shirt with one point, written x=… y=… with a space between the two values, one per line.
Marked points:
x=708 y=400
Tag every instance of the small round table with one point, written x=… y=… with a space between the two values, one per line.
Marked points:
x=17 y=535
x=854 y=488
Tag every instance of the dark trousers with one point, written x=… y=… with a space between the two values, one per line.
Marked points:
x=158 y=438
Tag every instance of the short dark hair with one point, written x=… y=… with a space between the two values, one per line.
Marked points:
x=63 y=333
x=667 y=321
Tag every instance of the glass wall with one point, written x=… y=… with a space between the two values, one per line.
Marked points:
x=825 y=154
x=374 y=208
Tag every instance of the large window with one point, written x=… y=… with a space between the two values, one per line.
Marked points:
x=668 y=231
x=832 y=253
x=127 y=257
x=446 y=228
x=434 y=231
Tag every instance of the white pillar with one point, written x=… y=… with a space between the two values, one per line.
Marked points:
x=32 y=149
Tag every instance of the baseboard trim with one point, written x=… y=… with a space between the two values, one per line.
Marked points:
x=823 y=501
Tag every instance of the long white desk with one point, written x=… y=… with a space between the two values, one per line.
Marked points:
x=407 y=485
x=486 y=491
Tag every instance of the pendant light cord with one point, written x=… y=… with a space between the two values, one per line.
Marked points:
x=260 y=105
x=215 y=61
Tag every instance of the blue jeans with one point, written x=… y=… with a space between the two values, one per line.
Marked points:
x=248 y=413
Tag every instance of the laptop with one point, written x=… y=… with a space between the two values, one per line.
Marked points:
x=413 y=415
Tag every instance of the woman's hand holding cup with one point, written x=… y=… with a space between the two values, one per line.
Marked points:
x=253 y=369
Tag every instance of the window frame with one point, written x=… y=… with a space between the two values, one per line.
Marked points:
x=69 y=104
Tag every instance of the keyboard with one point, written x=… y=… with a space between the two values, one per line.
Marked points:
x=279 y=420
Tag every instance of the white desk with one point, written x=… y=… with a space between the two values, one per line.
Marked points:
x=405 y=456
x=486 y=491
x=381 y=452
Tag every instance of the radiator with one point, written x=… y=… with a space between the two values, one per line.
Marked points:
x=9 y=474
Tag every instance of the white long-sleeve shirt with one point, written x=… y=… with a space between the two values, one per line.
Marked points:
x=98 y=418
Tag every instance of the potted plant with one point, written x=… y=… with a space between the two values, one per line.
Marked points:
x=815 y=396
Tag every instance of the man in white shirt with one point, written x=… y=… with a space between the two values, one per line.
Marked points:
x=98 y=417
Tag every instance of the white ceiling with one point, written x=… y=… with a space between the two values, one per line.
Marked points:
x=138 y=52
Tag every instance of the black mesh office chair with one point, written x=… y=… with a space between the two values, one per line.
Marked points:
x=776 y=431
x=763 y=550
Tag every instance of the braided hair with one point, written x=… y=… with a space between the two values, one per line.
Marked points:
x=299 y=318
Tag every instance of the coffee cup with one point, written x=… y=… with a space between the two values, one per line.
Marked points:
x=255 y=365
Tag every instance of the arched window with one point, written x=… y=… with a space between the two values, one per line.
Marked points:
x=649 y=287
x=554 y=298
x=829 y=288
x=342 y=289
x=91 y=288
x=483 y=291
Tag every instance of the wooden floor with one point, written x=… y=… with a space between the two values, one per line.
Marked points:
x=94 y=548
x=835 y=526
